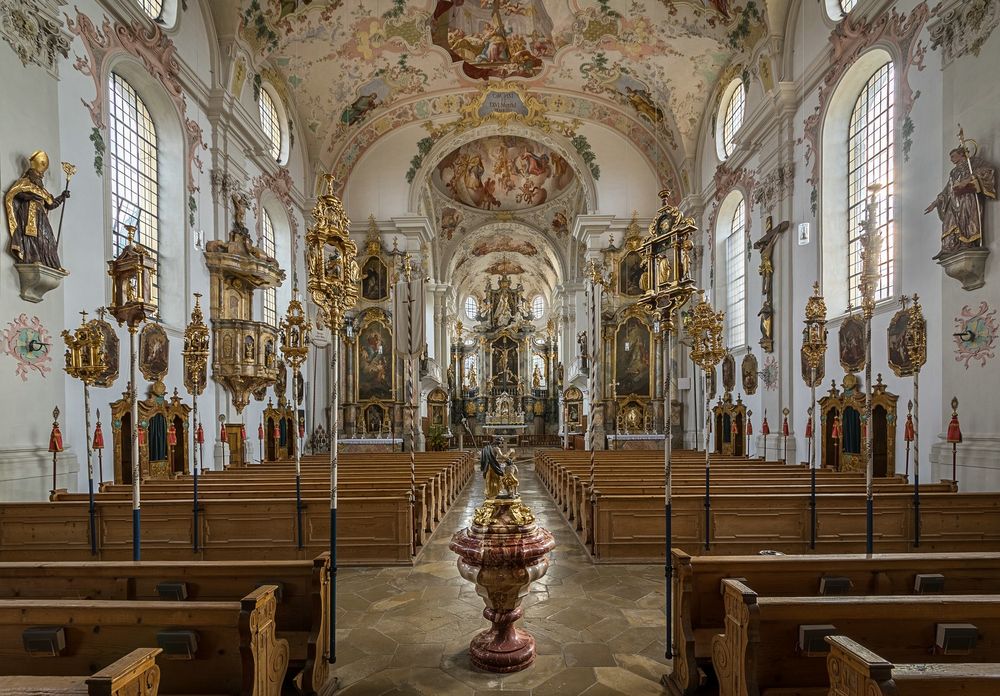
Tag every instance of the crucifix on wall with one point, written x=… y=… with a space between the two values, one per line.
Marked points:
x=765 y=245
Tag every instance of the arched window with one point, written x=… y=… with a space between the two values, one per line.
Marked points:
x=270 y=121
x=471 y=307
x=153 y=8
x=538 y=307
x=133 y=167
x=267 y=246
x=870 y=148
x=732 y=117
x=847 y=5
x=734 y=248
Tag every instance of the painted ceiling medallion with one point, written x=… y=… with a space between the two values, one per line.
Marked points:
x=29 y=343
x=503 y=172
x=975 y=334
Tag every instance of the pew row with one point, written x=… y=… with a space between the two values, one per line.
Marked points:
x=763 y=649
x=303 y=596
x=854 y=670
x=211 y=647
x=132 y=675
x=699 y=609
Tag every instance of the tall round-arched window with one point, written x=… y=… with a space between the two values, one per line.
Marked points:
x=870 y=149
x=734 y=247
x=732 y=118
x=537 y=306
x=270 y=121
x=471 y=307
x=268 y=247
x=133 y=167
x=153 y=8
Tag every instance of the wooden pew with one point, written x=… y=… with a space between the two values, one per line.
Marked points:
x=854 y=670
x=132 y=675
x=759 y=651
x=303 y=599
x=699 y=610
x=237 y=651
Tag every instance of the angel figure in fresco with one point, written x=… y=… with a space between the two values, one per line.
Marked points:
x=960 y=203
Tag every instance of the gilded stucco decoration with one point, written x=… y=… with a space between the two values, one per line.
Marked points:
x=33 y=30
x=963 y=27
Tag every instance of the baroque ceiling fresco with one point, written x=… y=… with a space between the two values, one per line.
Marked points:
x=359 y=70
x=505 y=248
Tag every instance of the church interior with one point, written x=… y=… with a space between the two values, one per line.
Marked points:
x=543 y=347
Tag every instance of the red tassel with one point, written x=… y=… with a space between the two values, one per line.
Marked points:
x=55 y=439
x=809 y=427
x=954 y=430
x=908 y=433
x=98 y=437
x=302 y=430
x=276 y=433
x=200 y=435
x=222 y=433
x=749 y=427
x=260 y=431
x=172 y=435
x=764 y=428
x=784 y=427
x=243 y=432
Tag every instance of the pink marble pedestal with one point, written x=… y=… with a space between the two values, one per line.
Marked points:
x=502 y=553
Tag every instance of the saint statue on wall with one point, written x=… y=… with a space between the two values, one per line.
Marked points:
x=27 y=204
x=960 y=204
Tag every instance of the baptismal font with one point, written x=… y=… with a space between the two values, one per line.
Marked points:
x=502 y=552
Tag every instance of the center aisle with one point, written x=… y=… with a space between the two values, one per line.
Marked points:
x=599 y=629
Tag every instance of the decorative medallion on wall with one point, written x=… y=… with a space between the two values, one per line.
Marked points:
x=111 y=351
x=964 y=27
x=769 y=375
x=154 y=352
x=728 y=372
x=851 y=341
x=33 y=30
x=29 y=343
x=975 y=334
x=748 y=372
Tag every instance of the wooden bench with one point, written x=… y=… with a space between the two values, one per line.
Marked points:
x=699 y=610
x=237 y=649
x=854 y=670
x=135 y=674
x=759 y=651
x=303 y=597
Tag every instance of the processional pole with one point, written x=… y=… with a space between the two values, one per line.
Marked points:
x=195 y=356
x=704 y=326
x=666 y=254
x=915 y=346
x=871 y=249
x=86 y=361
x=333 y=284
x=814 y=337
x=295 y=337
x=132 y=273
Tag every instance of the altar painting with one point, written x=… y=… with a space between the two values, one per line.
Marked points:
x=375 y=361
x=633 y=353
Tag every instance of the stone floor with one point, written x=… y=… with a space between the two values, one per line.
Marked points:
x=599 y=629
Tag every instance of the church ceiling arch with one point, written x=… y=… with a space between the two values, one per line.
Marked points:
x=646 y=65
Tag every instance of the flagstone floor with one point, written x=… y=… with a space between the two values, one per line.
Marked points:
x=599 y=629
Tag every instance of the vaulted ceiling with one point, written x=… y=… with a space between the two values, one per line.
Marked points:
x=359 y=69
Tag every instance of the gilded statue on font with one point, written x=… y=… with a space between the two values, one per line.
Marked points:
x=499 y=470
x=960 y=204
x=28 y=204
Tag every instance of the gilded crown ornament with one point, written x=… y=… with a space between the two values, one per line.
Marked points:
x=704 y=326
x=86 y=359
x=331 y=259
x=195 y=352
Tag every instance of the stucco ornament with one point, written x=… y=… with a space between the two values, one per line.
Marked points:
x=33 y=31
x=975 y=334
x=769 y=375
x=964 y=27
x=29 y=343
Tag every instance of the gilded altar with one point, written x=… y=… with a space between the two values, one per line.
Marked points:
x=842 y=430
x=163 y=437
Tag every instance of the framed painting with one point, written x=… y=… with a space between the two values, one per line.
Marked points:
x=634 y=358
x=154 y=352
x=630 y=270
x=899 y=357
x=375 y=360
x=728 y=372
x=374 y=279
x=851 y=340
x=748 y=373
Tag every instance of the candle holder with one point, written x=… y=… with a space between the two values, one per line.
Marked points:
x=333 y=282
